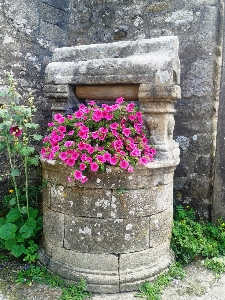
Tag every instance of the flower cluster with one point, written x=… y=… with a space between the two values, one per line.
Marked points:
x=95 y=136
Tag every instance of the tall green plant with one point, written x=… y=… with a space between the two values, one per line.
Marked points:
x=21 y=222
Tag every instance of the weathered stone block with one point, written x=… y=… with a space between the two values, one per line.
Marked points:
x=53 y=231
x=81 y=202
x=161 y=228
x=141 y=202
x=91 y=235
x=87 y=261
x=138 y=267
x=98 y=282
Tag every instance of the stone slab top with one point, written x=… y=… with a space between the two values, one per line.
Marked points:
x=133 y=62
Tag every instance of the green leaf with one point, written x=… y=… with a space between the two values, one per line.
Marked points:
x=2 y=221
x=12 y=201
x=15 y=172
x=19 y=237
x=37 y=137
x=26 y=151
x=17 y=250
x=28 y=228
x=2 y=94
x=33 y=161
x=7 y=231
x=13 y=215
x=33 y=212
x=10 y=243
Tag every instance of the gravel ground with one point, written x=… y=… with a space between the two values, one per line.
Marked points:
x=199 y=284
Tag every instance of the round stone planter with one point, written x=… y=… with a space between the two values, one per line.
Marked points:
x=114 y=230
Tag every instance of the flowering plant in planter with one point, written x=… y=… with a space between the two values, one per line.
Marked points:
x=96 y=136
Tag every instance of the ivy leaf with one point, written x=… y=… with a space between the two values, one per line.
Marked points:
x=2 y=221
x=13 y=215
x=15 y=172
x=17 y=250
x=7 y=231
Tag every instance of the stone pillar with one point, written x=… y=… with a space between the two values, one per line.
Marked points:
x=115 y=229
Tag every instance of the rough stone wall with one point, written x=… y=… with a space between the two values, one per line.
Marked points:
x=197 y=23
x=31 y=29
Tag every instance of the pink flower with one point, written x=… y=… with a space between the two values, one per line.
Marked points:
x=62 y=129
x=113 y=160
x=51 y=155
x=100 y=158
x=97 y=115
x=107 y=156
x=120 y=100
x=68 y=144
x=81 y=146
x=135 y=152
x=51 y=124
x=114 y=125
x=92 y=103
x=63 y=155
x=126 y=131
x=70 y=162
x=94 y=166
x=82 y=166
x=78 y=175
x=132 y=118
x=16 y=131
x=70 y=117
x=78 y=114
x=130 y=107
x=71 y=132
x=143 y=160
x=55 y=148
x=124 y=164
x=130 y=169
x=83 y=134
x=59 y=118
x=94 y=134
x=84 y=179
x=74 y=155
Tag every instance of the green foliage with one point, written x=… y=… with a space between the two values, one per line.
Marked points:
x=192 y=239
x=153 y=291
x=41 y=275
x=20 y=222
x=216 y=264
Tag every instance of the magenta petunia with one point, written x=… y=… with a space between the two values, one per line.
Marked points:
x=94 y=166
x=63 y=155
x=120 y=100
x=62 y=129
x=70 y=161
x=124 y=164
x=69 y=144
x=79 y=114
x=78 y=175
x=126 y=131
x=82 y=166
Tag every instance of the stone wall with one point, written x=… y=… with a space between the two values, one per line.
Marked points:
x=29 y=31
x=29 y=34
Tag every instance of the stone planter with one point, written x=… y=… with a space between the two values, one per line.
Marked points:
x=114 y=230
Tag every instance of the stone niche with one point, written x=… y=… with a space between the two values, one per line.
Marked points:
x=114 y=230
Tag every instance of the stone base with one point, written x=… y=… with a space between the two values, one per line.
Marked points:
x=107 y=273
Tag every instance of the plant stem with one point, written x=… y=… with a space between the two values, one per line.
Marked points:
x=26 y=184
x=13 y=177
